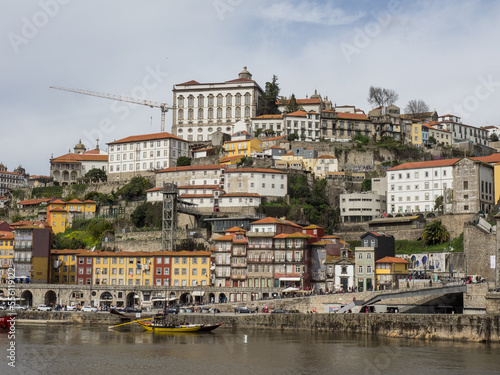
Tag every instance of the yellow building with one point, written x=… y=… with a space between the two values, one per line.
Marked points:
x=243 y=147
x=416 y=134
x=122 y=268
x=228 y=160
x=60 y=214
x=389 y=270
x=6 y=253
x=63 y=264
x=190 y=268
x=496 y=174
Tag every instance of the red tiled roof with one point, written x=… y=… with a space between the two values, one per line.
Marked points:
x=266 y=117
x=154 y=189
x=425 y=164
x=352 y=116
x=76 y=158
x=4 y=235
x=240 y=80
x=57 y=201
x=304 y=101
x=312 y=226
x=297 y=114
x=189 y=83
x=75 y=201
x=227 y=237
x=193 y=168
x=146 y=137
x=241 y=133
x=235 y=229
x=253 y=170
x=33 y=201
x=493 y=158
x=274 y=138
x=92 y=152
x=330 y=237
x=268 y=220
x=204 y=149
x=392 y=260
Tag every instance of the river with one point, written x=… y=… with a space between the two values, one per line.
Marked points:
x=83 y=350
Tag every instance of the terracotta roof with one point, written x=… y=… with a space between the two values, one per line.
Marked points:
x=243 y=140
x=352 y=116
x=147 y=254
x=58 y=210
x=277 y=147
x=227 y=237
x=4 y=235
x=288 y=153
x=292 y=235
x=193 y=168
x=253 y=170
x=312 y=226
x=68 y=251
x=266 y=117
x=204 y=149
x=92 y=152
x=154 y=189
x=425 y=164
x=14 y=173
x=493 y=158
x=380 y=234
x=77 y=158
x=297 y=114
x=330 y=237
x=229 y=158
x=189 y=83
x=146 y=137
x=22 y=223
x=322 y=243
x=57 y=201
x=235 y=229
x=240 y=80
x=253 y=195
x=33 y=201
x=268 y=220
x=392 y=260
x=274 y=138
x=75 y=201
x=326 y=157
x=237 y=134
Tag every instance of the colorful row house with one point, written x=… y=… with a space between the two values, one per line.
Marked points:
x=60 y=214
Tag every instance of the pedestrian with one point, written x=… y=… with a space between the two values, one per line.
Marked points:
x=257 y=310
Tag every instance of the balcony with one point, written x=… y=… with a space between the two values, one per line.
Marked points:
x=238 y=264
x=238 y=277
x=260 y=260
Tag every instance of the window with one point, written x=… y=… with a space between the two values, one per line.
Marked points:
x=368 y=269
x=360 y=269
x=466 y=185
x=360 y=255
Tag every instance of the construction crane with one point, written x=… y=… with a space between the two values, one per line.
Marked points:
x=163 y=106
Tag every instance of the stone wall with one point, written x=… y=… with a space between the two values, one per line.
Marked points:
x=478 y=248
x=475 y=298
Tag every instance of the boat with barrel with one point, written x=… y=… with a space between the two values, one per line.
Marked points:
x=160 y=323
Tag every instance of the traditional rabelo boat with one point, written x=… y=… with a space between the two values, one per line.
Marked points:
x=160 y=323
x=6 y=322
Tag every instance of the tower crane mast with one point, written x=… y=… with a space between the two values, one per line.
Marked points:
x=163 y=106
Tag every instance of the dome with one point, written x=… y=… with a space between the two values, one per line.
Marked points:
x=245 y=73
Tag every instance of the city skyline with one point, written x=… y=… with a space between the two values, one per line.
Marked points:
x=440 y=53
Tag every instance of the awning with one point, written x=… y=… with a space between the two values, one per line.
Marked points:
x=289 y=278
x=198 y=293
x=162 y=299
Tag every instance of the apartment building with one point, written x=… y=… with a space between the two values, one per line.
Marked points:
x=462 y=132
x=360 y=207
x=144 y=154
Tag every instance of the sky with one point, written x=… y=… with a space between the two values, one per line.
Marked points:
x=443 y=52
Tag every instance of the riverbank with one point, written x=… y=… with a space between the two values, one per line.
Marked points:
x=473 y=328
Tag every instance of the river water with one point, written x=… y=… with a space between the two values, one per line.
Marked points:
x=96 y=350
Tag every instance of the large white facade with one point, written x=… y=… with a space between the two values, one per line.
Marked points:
x=414 y=187
x=359 y=207
x=143 y=154
x=200 y=109
x=461 y=132
x=265 y=182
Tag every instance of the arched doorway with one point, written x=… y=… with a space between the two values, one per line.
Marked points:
x=222 y=298
x=132 y=299
x=211 y=298
x=50 y=298
x=185 y=299
x=106 y=300
x=26 y=298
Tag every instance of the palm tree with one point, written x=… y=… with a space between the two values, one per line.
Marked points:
x=435 y=232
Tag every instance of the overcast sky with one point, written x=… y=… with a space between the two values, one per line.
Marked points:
x=444 y=52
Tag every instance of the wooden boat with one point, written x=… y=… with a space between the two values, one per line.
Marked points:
x=170 y=327
x=209 y=327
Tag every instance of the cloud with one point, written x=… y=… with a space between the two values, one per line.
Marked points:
x=307 y=12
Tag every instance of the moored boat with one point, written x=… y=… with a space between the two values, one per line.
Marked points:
x=170 y=327
x=6 y=322
x=209 y=327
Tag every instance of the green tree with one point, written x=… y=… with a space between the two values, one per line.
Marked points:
x=135 y=189
x=96 y=174
x=291 y=104
x=269 y=132
x=268 y=101
x=493 y=137
x=435 y=233
x=439 y=203
x=147 y=215
x=183 y=161
x=433 y=140
x=292 y=137
x=366 y=185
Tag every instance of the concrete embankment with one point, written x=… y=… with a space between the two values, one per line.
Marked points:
x=475 y=328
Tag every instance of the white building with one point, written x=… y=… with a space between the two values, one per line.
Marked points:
x=144 y=154
x=344 y=274
x=265 y=182
x=359 y=207
x=466 y=185
x=203 y=108
x=461 y=132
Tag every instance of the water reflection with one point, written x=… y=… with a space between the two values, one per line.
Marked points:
x=74 y=349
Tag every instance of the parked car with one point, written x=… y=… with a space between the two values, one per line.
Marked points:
x=279 y=311
x=16 y=308
x=171 y=310
x=44 y=308
x=244 y=310
x=89 y=309
x=71 y=308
